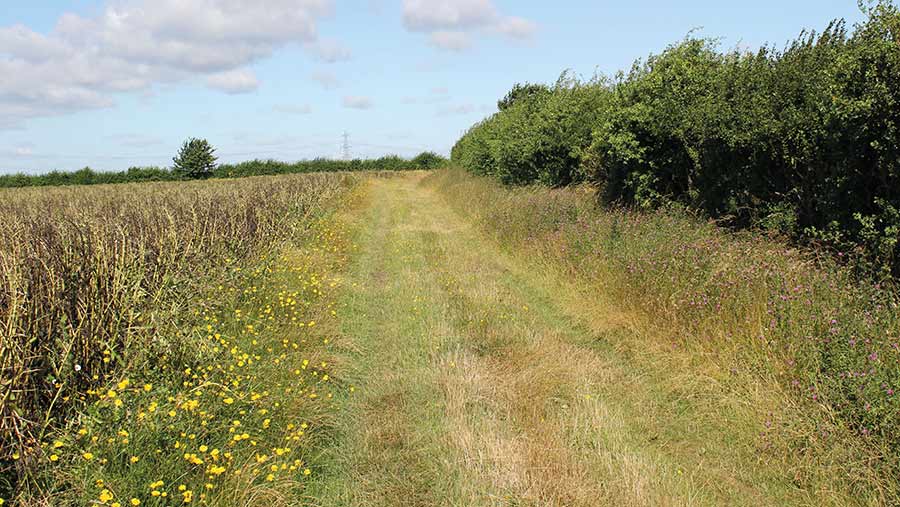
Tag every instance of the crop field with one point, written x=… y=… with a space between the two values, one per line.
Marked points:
x=132 y=318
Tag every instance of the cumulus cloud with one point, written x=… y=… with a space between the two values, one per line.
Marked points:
x=327 y=79
x=133 y=45
x=451 y=23
x=517 y=28
x=233 y=81
x=357 y=102
x=433 y=15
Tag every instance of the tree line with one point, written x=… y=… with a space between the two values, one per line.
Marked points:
x=196 y=161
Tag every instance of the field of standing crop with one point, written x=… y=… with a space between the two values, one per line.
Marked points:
x=128 y=310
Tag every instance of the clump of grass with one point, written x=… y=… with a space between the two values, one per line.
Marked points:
x=743 y=301
x=96 y=283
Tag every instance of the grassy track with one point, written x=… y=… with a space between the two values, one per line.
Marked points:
x=484 y=379
x=405 y=349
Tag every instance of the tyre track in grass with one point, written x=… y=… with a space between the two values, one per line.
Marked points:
x=477 y=383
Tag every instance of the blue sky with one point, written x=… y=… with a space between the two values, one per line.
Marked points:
x=117 y=83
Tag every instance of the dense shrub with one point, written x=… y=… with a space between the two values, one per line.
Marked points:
x=428 y=160
x=523 y=93
x=472 y=150
x=804 y=140
x=540 y=133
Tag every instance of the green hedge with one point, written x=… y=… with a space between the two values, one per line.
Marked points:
x=804 y=140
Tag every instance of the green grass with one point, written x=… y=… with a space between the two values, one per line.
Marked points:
x=485 y=375
x=729 y=316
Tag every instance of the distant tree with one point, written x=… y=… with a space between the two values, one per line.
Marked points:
x=84 y=176
x=522 y=91
x=428 y=160
x=195 y=160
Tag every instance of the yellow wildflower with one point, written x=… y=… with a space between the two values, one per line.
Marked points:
x=105 y=496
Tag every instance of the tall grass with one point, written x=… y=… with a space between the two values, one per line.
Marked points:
x=744 y=301
x=90 y=279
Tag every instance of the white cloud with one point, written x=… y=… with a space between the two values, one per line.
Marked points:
x=133 y=45
x=293 y=109
x=451 y=23
x=451 y=41
x=28 y=45
x=435 y=15
x=233 y=81
x=517 y=28
x=357 y=102
x=330 y=51
x=327 y=79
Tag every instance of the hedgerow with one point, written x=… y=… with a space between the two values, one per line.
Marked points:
x=803 y=140
x=87 y=176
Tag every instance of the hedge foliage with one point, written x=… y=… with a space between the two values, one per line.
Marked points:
x=87 y=176
x=803 y=140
